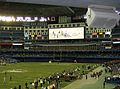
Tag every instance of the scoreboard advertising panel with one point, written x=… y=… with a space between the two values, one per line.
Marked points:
x=66 y=33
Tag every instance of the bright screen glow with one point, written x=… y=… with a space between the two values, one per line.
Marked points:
x=23 y=19
x=66 y=33
x=17 y=44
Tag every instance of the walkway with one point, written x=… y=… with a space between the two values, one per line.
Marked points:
x=78 y=84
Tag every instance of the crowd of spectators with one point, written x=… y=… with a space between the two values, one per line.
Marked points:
x=96 y=74
x=61 y=53
x=113 y=67
x=6 y=59
x=117 y=87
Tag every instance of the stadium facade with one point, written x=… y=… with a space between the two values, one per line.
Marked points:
x=61 y=38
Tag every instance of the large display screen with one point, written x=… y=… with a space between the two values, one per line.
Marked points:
x=66 y=33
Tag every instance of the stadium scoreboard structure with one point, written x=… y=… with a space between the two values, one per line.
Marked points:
x=66 y=33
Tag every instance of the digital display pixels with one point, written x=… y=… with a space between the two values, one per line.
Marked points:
x=66 y=33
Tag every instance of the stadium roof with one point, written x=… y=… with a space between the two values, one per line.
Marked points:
x=51 y=7
x=72 y=3
x=26 y=9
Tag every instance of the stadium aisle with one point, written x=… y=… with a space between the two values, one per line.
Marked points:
x=79 y=84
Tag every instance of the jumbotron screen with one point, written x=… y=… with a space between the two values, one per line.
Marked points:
x=66 y=33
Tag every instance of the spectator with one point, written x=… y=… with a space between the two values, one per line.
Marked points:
x=26 y=84
x=86 y=76
x=104 y=84
x=36 y=84
x=10 y=78
x=15 y=87
x=41 y=82
x=19 y=87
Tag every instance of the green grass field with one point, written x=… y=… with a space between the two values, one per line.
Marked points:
x=28 y=71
